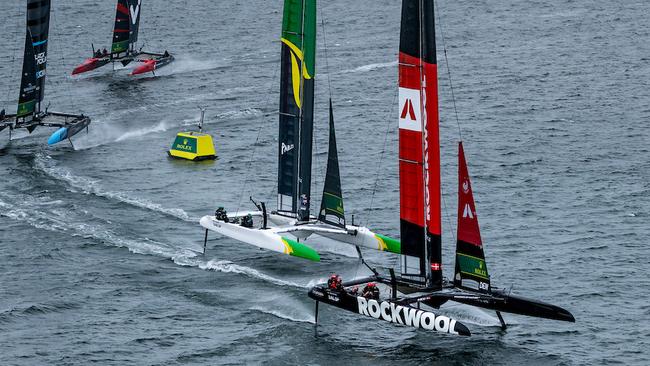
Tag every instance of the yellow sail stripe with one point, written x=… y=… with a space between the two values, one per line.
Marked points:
x=296 y=54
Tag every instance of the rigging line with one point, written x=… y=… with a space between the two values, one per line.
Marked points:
x=327 y=65
x=320 y=166
x=448 y=215
x=451 y=84
x=58 y=50
x=259 y=132
x=382 y=154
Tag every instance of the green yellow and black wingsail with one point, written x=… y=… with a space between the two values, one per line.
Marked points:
x=296 y=107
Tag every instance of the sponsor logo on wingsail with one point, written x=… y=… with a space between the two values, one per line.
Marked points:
x=40 y=58
x=286 y=148
x=135 y=12
x=405 y=315
x=426 y=155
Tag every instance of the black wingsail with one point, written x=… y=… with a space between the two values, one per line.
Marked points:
x=331 y=207
x=134 y=18
x=296 y=107
x=32 y=85
x=127 y=24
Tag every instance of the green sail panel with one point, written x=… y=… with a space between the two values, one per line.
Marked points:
x=331 y=209
x=295 y=138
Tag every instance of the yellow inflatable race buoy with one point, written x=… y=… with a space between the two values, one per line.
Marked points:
x=193 y=146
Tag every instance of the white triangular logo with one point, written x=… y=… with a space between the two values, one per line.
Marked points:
x=467 y=212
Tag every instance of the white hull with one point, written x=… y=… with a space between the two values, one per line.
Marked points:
x=268 y=239
x=278 y=225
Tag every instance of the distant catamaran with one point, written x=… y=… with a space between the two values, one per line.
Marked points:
x=125 y=36
x=292 y=217
x=29 y=114
x=420 y=290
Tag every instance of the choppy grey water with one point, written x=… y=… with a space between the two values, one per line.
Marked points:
x=97 y=254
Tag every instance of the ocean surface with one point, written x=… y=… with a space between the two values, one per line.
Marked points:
x=100 y=244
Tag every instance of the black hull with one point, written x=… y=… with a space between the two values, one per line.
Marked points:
x=499 y=301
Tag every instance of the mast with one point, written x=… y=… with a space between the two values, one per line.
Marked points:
x=419 y=146
x=298 y=55
x=32 y=85
x=470 y=258
x=331 y=208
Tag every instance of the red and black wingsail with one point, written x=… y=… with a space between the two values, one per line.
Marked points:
x=471 y=269
x=127 y=22
x=32 y=86
x=419 y=146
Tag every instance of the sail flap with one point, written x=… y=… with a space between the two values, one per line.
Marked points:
x=331 y=209
x=471 y=269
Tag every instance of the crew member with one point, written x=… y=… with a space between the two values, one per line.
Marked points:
x=166 y=54
x=335 y=283
x=247 y=221
x=98 y=54
x=371 y=291
x=105 y=52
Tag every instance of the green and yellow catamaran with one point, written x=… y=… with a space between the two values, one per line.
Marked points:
x=293 y=218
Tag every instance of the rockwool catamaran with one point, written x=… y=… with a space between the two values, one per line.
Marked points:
x=29 y=114
x=414 y=297
x=272 y=230
x=125 y=36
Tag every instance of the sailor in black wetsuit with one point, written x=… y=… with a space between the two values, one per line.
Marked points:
x=166 y=54
x=105 y=52
x=371 y=291
x=247 y=221
x=98 y=54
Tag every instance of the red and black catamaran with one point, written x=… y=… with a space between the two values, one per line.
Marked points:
x=30 y=114
x=420 y=289
x=123 y=50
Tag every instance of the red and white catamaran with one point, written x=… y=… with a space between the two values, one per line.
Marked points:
x=414 y=297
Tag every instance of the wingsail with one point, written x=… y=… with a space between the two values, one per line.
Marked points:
x=298 y=67
x=419 y=146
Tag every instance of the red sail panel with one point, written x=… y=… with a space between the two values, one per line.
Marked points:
x=468 y=229
x=471 y=268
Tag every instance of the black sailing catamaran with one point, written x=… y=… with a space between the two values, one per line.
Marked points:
x=295 y=161
x=32 y=86
x=125 y=36
x=421 y=289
